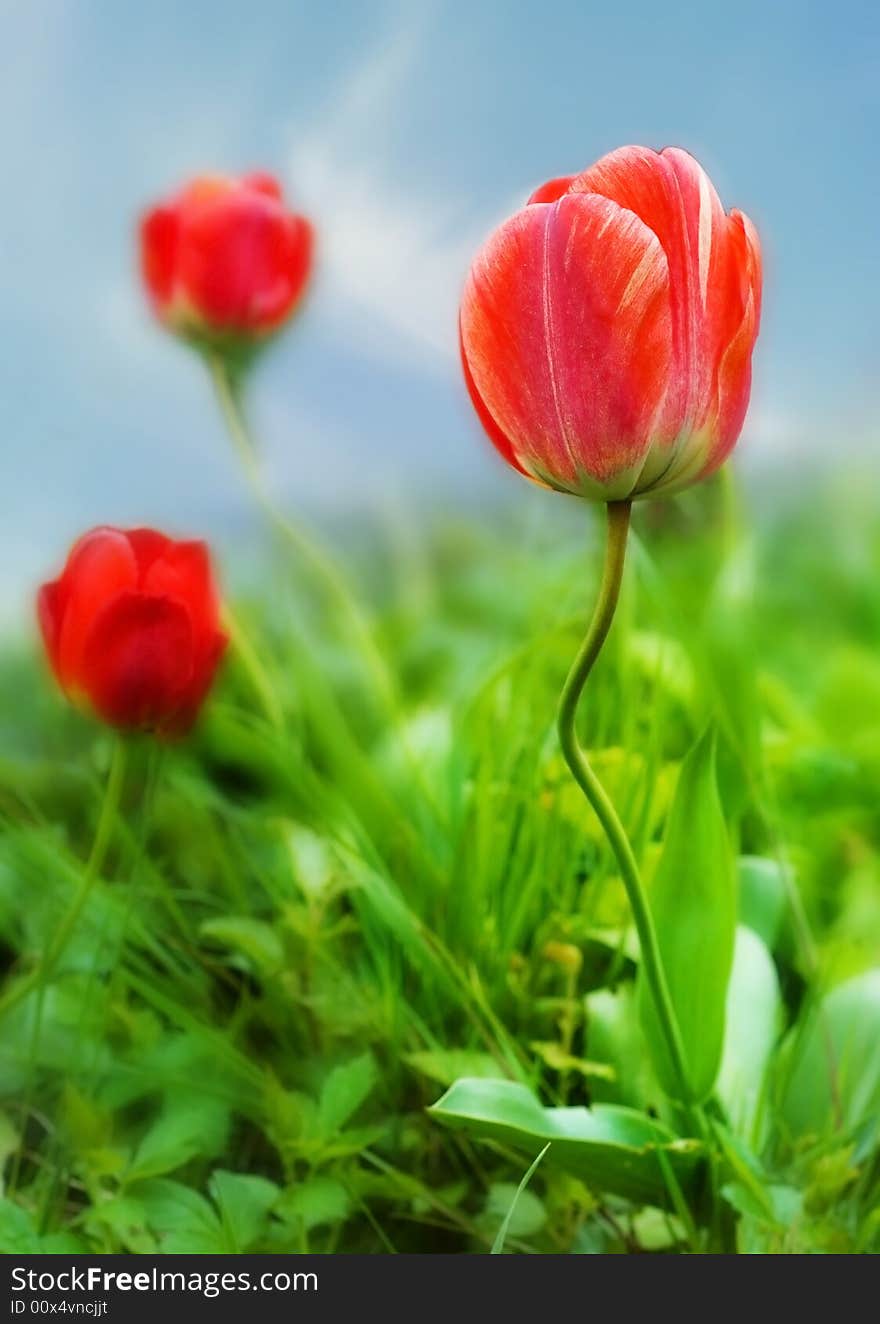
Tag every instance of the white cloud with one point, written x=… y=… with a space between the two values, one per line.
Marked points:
x=392 y=258
x=775 y=434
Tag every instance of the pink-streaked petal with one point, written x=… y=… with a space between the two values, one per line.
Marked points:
x=674 y=196
x=552 y=191
x=566 y=332
x=618 y=400
x=498 y=438
x=732 y=389
x=752 y=261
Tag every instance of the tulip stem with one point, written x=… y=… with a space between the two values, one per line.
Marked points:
x=92 y=871
x=618 y=513
x=324 y=571
x=731 y=509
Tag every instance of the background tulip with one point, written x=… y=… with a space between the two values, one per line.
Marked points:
x=225 y=262
x=131 y=628
x=607 y=328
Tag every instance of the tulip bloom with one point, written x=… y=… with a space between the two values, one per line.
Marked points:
x=131 y=628
x=224 y=262
x=607 y=328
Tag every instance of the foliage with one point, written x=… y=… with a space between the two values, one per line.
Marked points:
x=331 y=911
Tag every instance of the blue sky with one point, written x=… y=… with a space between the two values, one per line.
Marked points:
x=406 y=131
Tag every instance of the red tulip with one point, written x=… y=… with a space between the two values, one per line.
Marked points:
x=225 y=262
x=132 y=629
x=607 y=328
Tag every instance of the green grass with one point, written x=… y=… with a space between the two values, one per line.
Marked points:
x=316 y=915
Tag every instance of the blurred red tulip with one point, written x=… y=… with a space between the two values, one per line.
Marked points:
x=607 y=328
x=225 y=262
x=132 y=629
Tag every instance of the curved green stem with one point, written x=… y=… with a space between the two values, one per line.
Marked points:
x=652 y=965
x=321 y=566
x=39 y=978
x=731 y=509
x=94 y=985
x=109 y=810
x=91 y=873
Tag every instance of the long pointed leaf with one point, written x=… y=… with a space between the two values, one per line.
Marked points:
x=613 y=1149
x=693 y=901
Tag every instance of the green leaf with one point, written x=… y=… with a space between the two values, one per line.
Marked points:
x=554 y=1056
x=313 y=1203
x=186 y=1127
x=614 y=1037
x=655 y=1230
x=244 y=1202
x=183 y=1220
x=831 y=1066
x=312 y=861
x=446 y=1065
x=353 y=1140
x=831 y=1175
x=754 y=1017
x=730 y=667
x=613 y=1149
x=123 y=1215
x=779 y=1208
x=247 y=937
x=664 y=662
x=344 y=1090
x=693 y=901
x=763 y=898
x=19 y=1235
x=9 y=1139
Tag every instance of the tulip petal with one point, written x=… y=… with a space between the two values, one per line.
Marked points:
x=616 y=396
x=204 y=190
x=261 y=182
x=138 y=661
x=160 y=234
x=566 y=332
x=244 y=260
x=733 y=373
x=498 y=438
x=132 y=626
x=182 y=571
x=291 y=259
x=553 y=190
x=211 y=650
x=184 y=574
x=225 y=261
x=100 y=565
x=148 y=546
x=674 y=196
x=727 y=361
x=750 y=255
